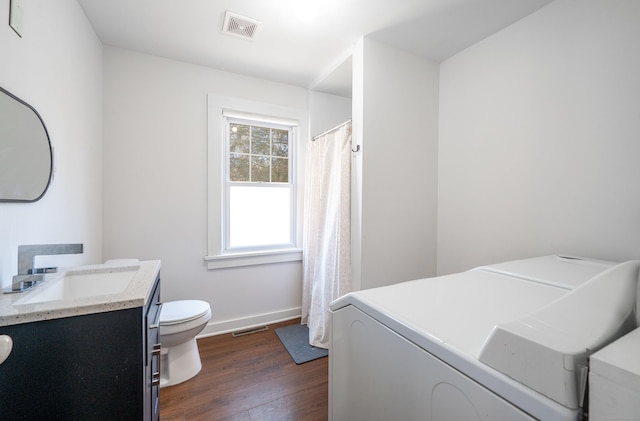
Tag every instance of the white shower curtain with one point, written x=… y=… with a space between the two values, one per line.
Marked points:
x=327 y=229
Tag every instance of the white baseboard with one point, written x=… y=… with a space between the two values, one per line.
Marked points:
x=246 y=323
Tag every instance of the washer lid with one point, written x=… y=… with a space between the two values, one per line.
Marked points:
x=182 y=311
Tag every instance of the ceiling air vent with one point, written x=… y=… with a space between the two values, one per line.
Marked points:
x=240 y=26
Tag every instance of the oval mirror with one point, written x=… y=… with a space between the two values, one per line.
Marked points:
x=26 y=160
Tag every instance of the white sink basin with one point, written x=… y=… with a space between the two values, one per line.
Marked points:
x=83 y=284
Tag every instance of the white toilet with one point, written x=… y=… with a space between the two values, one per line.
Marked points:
x=180 y=322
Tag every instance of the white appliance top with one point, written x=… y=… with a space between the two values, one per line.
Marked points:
x=562 y=271
x=459 y=310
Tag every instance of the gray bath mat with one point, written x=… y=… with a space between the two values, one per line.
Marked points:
x=295 y=339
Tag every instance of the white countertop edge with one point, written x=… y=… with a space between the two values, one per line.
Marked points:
x=12 y=312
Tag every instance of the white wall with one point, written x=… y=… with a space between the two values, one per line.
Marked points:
x=56 y=67
x=155 y=184
x=396 y=122
x=327 y=111
x=540 y=139
x=537 y=152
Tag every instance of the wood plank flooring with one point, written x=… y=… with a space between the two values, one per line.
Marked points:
x=249 y=378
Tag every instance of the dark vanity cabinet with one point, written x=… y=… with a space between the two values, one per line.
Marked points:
x=100 y=366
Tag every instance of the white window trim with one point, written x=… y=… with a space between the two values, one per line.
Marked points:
x=230 y=260
x=216 y=257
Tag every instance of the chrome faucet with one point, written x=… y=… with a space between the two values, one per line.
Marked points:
x=28 y=276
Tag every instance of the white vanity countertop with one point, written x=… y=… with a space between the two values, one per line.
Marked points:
x=14 y=308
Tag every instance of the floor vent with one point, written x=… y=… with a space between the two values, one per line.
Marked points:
x=240 y=26
x=250 y=331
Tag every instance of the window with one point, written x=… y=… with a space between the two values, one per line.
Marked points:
x=259 y=208
x=254 y=201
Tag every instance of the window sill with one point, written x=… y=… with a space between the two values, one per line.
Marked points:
x=249 y=259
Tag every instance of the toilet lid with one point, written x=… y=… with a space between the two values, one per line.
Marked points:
x=182 y=311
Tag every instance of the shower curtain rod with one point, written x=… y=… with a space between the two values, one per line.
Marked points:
x=330 y=130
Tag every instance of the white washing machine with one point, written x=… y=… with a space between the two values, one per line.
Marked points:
x=498 y=342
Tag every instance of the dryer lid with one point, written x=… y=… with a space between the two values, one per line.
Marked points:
x=182 y=311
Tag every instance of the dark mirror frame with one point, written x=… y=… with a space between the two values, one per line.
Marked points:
x=50 y=152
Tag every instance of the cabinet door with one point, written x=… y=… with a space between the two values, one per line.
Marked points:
x=77 y=368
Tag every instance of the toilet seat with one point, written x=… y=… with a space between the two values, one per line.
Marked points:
x=176 y=312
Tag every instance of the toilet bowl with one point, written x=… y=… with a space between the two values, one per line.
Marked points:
x=180 y=322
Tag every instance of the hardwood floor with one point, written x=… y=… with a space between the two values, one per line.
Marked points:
x=249 y=378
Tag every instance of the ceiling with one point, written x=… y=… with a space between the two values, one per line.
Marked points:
x=313 y=54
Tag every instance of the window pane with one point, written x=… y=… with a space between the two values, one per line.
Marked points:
x=259 y=216
x=239 y=167
x=280 y=142
x=260 y=168
x=239 y=138
x=279 y=170
x=260 y=141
